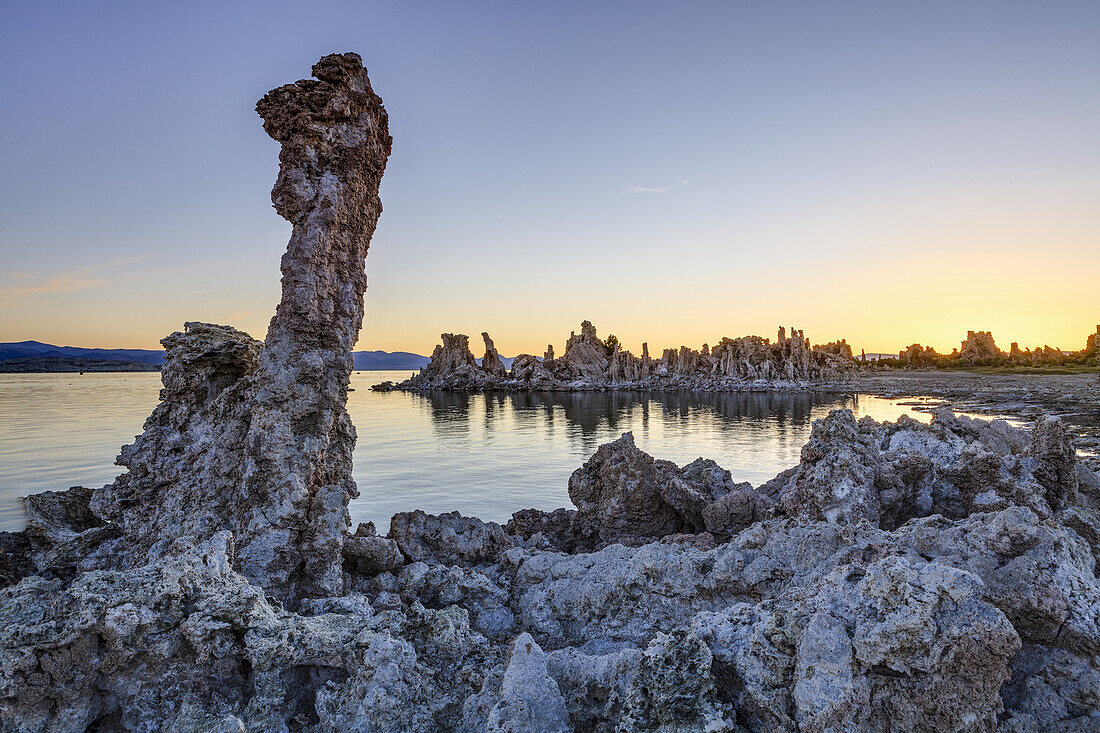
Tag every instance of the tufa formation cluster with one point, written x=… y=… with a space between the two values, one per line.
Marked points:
x=745 y=363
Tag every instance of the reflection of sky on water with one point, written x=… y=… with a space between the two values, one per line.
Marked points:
x=487 y=455
x=491 y=454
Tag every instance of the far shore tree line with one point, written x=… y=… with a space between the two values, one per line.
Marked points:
x=980 y=351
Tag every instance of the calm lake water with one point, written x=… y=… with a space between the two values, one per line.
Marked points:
x=485 y=455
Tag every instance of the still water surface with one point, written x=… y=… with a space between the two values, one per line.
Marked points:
x=485 y=455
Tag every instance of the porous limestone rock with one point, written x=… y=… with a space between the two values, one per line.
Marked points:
x=370 y=554
x=891 y=645
x=742 y=507
x=189 y=644
x=618 y=495
x=836 y=480
x=1092 y=343
x=979 y=345
x=452 y=360
x=547 y=529
x=528 y=370
x=256 y=440
x=585 y=356
x=451 y=538
x=62 y=531
x=889 y=473
x=529 y=698
x=453 y=366
x=841 y=348
x=916 y=355
x=962 y=619
x=748 y=363
x=624 y=496
x=491 y=362
x=1055 y=462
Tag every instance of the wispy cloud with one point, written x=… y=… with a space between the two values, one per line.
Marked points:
x=239 y=316
x=631 y=190
x=29 y=286
x=59 y=284
x=644 y=189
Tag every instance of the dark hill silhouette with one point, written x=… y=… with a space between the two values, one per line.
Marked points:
x=364 y=360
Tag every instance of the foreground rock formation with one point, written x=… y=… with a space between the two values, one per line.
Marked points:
x=902 y=577
x=254 y=438
x=750 y=362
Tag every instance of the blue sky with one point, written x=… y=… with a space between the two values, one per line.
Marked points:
x=674 y=172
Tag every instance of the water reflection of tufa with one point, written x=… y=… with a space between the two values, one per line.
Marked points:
x=590 y=413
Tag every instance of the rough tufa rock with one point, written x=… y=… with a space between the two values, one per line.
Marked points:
x=529 y=696
x=840 y=348
x=889 y=473
x=585 y=356
x=450 y=539
x=452 y=357
x=917 y=622
x=588 y=363
x=491 y=362
x=624 y=496
x=1092 y=343
x=916 y=355
x=979 y=345
x=370 y=554
x=256 y=440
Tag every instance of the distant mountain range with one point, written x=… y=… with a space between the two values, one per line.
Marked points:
x=364 y=360
x=72 y=364
x=388 y=360
x=37 y=349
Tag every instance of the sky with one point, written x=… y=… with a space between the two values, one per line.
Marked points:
x=676 y=172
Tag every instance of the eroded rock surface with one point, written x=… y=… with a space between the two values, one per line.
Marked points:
x=254 y=438
x=915 y=606
x=624 y=496
x=840 y=348
x=746 y=363
x=491 y=361
x=979 y=345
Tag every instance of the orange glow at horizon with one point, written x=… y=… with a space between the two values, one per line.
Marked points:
x=889 y=175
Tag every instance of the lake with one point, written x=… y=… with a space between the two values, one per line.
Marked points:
x=485 y=455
